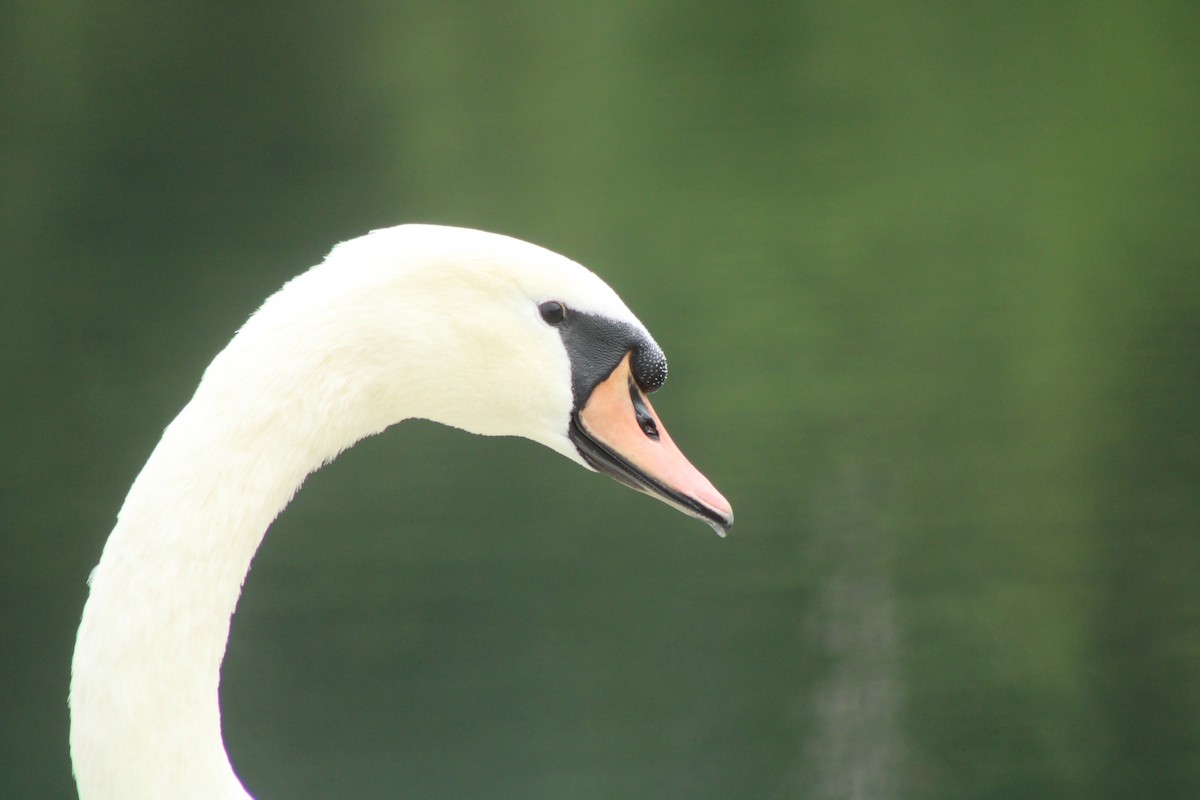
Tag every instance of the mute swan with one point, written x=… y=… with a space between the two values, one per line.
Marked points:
x=474 y=330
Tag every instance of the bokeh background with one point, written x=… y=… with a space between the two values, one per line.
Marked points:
x=928 y=277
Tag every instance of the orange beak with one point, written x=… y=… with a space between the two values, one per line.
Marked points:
x=618 y=433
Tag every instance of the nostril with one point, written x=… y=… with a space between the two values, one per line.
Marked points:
x=645 y=419
x=647 y=425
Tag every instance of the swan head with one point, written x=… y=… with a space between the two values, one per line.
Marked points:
x=513 y=339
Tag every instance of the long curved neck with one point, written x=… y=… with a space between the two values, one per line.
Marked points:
x=276 y=403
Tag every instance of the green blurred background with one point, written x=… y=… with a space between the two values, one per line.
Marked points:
x=928 y=275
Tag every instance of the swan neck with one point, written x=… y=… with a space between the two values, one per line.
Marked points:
x=145 y=714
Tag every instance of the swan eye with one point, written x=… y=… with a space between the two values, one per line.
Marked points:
x=553 y=312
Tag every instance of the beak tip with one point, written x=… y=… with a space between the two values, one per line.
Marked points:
x=723 y=525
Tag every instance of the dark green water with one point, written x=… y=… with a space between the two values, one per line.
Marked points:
x=928 y=279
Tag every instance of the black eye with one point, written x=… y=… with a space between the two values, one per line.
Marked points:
x=553 y=312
